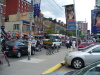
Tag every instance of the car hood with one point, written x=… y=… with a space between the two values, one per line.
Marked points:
x=76 y=52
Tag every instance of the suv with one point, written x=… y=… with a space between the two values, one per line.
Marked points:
x=55 y=43
x=17 y=48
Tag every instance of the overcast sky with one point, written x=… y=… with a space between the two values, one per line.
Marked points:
x=54 y=9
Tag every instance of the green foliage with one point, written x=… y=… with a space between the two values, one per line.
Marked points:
x=68 y=32
x=62 y=32
x=50 y=31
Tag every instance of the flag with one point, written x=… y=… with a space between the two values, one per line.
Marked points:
x=37 y=8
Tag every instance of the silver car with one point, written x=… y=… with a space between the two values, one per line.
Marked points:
x=79 y=59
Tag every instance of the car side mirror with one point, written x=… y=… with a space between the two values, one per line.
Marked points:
x=90 y=52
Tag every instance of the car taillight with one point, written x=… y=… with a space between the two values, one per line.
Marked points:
x=14 y=48
x=33 y=43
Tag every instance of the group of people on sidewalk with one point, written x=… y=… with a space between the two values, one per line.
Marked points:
x=71 y=44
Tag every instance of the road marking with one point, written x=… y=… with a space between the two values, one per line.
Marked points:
x=32 y=60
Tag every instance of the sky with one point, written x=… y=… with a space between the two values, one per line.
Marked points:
x=55 y=9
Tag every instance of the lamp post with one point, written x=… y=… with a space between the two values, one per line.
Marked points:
x=30 y=17
x=76 y=27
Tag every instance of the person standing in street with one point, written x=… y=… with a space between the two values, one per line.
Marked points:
x=67 y=43
x=73 y=44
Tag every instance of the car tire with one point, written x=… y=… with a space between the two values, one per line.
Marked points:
x=32 y=52
x=77 y=63
x=19 y=54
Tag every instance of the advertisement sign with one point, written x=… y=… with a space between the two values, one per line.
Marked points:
x=95 y=20
x=70 y=17
x=37 y=8
x=24 y=16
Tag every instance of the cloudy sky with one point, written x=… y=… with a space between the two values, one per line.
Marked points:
x=54 y=9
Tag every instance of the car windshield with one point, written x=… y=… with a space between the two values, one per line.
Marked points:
x=86 y=70
x=10 y=43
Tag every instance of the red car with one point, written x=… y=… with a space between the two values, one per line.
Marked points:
x=82 y=45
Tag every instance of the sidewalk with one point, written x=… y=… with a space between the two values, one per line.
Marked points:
x=36 y=66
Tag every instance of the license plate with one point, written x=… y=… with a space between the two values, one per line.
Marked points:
x=7 y=48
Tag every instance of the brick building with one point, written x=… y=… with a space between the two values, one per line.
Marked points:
x=3 y=10
x=13 y=6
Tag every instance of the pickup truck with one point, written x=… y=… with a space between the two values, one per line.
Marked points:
x=52 y=42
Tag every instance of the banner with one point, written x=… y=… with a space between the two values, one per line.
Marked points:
x=37 y=8
x=95 y=20
x=70 y=17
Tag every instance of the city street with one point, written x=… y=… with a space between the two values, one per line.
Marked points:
x=39 y=63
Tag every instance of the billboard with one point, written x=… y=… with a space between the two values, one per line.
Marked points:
x=70 y=17
x=95 y=21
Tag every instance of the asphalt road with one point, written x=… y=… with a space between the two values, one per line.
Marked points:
x=39 y=63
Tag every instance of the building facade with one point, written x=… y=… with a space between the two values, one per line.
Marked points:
x=2 y=11
x=14 y=6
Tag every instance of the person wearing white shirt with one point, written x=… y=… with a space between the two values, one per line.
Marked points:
x=73 y=44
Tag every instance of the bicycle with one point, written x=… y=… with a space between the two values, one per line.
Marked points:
x=49 y=50
x=3 y=57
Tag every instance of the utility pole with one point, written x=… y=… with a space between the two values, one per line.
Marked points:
x=30 y=17
x=0 y=25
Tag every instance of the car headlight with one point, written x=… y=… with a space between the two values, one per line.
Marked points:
x=69 y=56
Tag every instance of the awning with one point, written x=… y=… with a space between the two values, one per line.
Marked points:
x=27 y=22
x=47 y=26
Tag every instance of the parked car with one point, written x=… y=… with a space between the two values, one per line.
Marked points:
x=79 y=59
x=17 y=48
x=54 y=43
x=34 y=42
x=80 y=49
x=92 y=69
x=82 y=45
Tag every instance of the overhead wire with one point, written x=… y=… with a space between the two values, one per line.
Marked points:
x=51 y=6
x=58 y=5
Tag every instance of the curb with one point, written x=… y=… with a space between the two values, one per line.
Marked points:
x=54 y=68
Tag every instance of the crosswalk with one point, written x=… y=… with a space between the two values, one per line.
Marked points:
x=33 y=60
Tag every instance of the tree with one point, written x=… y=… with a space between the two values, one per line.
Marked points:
x=62 y=32
x=50 y=31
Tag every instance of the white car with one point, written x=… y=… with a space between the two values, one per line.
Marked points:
x=55 y=43
x=79 y=59
x=34 y=42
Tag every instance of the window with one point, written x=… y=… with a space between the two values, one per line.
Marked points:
x=96 y=50
x=28 y=28
x=16 y=27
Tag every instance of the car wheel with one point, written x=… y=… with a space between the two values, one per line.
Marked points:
x=32 y=52
x=18 y=54
x=77 y=63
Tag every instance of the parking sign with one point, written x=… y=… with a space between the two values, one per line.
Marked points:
x=30 y=15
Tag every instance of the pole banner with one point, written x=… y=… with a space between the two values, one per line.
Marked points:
x=95 y=21
x=37 y=8
x=70 y=17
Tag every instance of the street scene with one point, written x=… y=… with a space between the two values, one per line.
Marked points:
x=49 y=37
